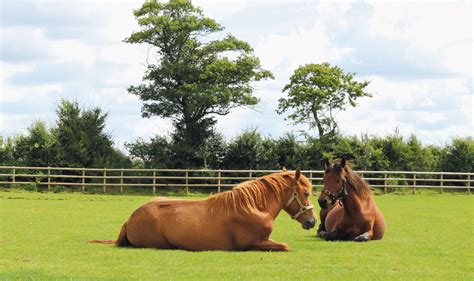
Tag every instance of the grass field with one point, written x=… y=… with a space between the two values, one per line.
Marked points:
x=43 y=236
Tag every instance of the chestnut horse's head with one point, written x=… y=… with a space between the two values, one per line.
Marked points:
x=299 y=206
x=335 y=184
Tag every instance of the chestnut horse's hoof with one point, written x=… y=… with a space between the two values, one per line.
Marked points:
x=321 y=234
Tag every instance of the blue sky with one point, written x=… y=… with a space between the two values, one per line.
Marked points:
x=417 y=55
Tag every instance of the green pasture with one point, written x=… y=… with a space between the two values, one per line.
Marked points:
x=43 y=236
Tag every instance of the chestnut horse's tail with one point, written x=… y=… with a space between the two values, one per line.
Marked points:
x=122 y=240
x=102 y=241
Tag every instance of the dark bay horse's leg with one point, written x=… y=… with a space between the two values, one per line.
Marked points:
x=270 y=245
x=335 y=235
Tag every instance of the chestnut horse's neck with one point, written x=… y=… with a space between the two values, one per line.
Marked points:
x=268 y=193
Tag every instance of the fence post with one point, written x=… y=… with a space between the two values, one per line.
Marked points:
x=414 y=183
x=219 y=181
x=187 y=182
x=311 y=179
x=83 y=179
x=385 y=183
x=441 y=182
x=469 y=183
x=250 y=175
x=105 y=179
x=121 y=180
x=13 y=176
x=154 y=182
x=49 y=178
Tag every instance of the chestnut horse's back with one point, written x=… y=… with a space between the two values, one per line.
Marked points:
x=122 y=240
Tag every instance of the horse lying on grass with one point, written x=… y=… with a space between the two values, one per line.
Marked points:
x=239 y=219
x=348 y=211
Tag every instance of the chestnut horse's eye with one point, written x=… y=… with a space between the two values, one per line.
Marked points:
x=306 y=193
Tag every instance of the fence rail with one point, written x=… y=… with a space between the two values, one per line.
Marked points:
x=105 y=178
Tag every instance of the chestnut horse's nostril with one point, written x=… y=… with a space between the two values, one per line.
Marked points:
x=309 y=223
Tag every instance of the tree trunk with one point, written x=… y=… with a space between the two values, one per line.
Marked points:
x=318 y=123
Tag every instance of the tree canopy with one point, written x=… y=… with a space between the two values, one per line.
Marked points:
x=316 y=92
x=191 y=78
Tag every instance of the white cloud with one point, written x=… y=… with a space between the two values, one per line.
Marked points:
x=398 y=42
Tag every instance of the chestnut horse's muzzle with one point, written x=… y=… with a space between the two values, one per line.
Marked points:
x=309 y=223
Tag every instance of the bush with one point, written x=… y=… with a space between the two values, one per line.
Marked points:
x=58 y=188
x=30 y=187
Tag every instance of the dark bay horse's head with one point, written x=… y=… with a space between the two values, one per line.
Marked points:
x=298 y=205
x=335 y=184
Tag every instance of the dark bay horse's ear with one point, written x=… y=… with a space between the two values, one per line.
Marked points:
x=343 y=163
x=327 y=164
x=298 y=174
x=284 y=169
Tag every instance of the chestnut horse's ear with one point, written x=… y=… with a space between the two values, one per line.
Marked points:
x=327 y=164
x=343 y=163
x=298 y=174
x=284 y=169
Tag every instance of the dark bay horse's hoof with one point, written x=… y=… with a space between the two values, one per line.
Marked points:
x=362 y=238
x=321 y=233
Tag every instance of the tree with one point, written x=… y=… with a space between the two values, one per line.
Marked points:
x=251 y=150
x=192 y=79
x=459 y=156
x=81 y=140
x=316 y=92
x=7 y=146
x=36 y=148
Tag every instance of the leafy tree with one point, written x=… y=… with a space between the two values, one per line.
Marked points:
x=290 y=152
x=251 y=150
x=192 y=78
x=81 y=140
x=459 y=156
x=36 y=148
x=157 y=153
x=316 y=92
x=7 y=146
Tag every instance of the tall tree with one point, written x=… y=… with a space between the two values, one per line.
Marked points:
x=36 y=147
x=192 y=78
x=316 y=92
x=81 y=140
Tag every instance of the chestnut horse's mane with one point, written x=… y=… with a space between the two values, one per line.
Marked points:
x=251 y=196
x=359 y=185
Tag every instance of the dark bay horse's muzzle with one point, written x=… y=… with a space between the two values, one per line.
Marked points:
x=309 y=223
x=323 y=203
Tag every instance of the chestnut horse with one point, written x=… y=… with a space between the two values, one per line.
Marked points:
x=348 y=211
x=238 y=219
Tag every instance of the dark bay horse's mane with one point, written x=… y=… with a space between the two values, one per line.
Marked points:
x=251 y=196
x=359 y=185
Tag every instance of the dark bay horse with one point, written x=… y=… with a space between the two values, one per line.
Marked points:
x=239 y=219
x=348 y=211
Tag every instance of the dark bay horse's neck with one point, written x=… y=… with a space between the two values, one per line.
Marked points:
x=351 y=202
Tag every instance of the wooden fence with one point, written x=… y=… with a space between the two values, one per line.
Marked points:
x=216 y=180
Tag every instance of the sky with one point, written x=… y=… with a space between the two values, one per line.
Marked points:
x=417 y=55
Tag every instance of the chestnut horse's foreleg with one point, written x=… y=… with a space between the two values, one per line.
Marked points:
x=270 y=245
x=364 y=237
